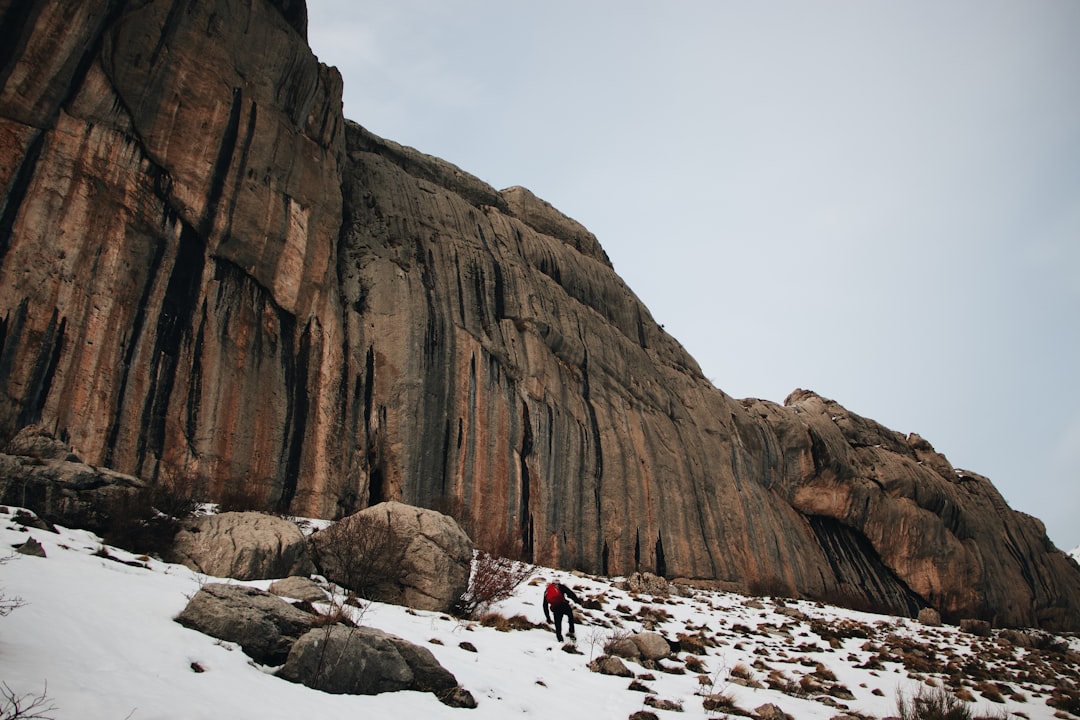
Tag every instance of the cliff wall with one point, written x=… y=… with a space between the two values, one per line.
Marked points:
x=211 y=280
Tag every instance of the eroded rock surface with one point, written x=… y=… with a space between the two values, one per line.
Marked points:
x=211 y=281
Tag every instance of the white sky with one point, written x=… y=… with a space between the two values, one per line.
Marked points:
x=876 y=201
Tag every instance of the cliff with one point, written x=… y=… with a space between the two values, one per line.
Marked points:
x=211 y=280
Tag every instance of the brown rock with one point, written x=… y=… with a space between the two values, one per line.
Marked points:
x=929 y=617
x=609 y=665
x=210 y=280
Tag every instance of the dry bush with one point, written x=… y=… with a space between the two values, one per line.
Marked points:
x=25 y=707
x=362 y=554
x=932 y=704
x=990 y=691
x=1066 y=699
x=722 y=703
x=770 y=587
x=742 y=671
x=493 y=578
x=695 y=664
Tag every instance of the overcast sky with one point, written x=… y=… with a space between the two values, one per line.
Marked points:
x=877 y=201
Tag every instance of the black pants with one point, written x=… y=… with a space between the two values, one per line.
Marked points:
x=559 y=611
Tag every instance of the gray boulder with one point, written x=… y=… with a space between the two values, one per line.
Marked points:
x=366 y=661
x=652 y=646
x=31 y=547
x=624 y=648
x=298 y=588
x=610 y=665
x=264 y=625
x=242 y=545
x=398 y=554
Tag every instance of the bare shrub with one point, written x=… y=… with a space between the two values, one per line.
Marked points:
x=8 y=605
x=770 y=587
x=931 y=704
x=363 y=554
x=493 y=578
x=25 y=707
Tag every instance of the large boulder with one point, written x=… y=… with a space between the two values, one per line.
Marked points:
x=366 y=661
x=242 y=545
x=263 y=625
x=398 y=554
x=652 y=646
x=299 y=588
x=72 y=493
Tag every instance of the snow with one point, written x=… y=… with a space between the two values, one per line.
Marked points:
x=1075 y=553
x=98 y=636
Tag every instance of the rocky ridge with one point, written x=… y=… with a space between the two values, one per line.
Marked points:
x=210 y=281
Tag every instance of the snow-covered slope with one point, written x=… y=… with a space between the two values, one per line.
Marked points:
x=98 y=637
x=1075 y=553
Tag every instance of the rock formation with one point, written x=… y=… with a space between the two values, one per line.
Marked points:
x=211 y=281
x=396 y=553
x=242 y=545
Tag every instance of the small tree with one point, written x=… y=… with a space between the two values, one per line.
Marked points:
x=493 y=578
x=363 y=554
x=8 y=605
x=24 y=707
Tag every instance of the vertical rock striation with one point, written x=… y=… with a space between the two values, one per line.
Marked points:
x=172 y=200
x=211 y=280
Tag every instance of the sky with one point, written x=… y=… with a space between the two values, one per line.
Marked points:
x=876 y=201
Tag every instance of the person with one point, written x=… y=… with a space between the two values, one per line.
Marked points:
x=557 y=597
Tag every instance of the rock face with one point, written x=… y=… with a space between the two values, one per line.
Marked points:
x=242 y=545
x=211 y=281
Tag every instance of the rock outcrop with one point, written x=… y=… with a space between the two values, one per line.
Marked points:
x=213 y=282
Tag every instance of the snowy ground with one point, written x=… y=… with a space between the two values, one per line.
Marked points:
x=98 y=637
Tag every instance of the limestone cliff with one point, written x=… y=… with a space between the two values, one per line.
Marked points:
x=210 y=280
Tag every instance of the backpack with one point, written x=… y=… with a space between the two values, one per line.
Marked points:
x=554 y=595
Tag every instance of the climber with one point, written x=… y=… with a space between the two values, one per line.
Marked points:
x=557 y=596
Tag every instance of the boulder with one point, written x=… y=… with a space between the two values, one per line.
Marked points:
x=71 y=493
x=624 y=648
x=366 y=661
x=32 y=548
x=929 y=617
x=263 y=625
x=398 y=554
x=610 y=665
x=242 y=545
x=769 y=711
x=648 y=584
x=298 y=588
x=652 y=646
x=36 y=441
